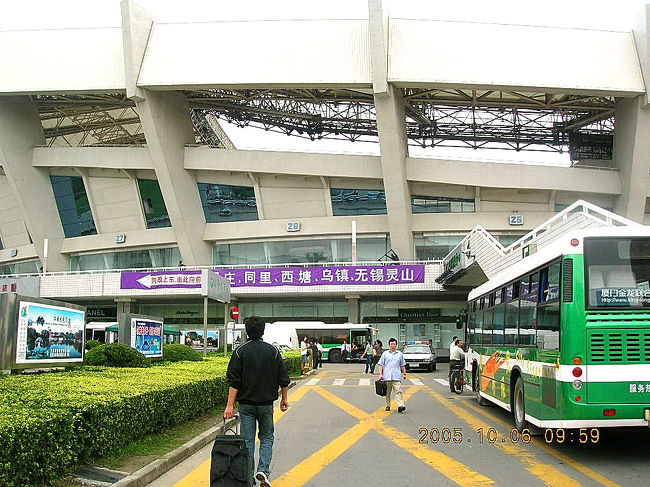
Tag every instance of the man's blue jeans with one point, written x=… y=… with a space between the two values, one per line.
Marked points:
x=253 y=417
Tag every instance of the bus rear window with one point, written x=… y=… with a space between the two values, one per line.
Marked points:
x=618 y=272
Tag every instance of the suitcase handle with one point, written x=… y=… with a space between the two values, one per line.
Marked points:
x=235 y=417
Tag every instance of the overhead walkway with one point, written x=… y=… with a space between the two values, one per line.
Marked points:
x=479 y=256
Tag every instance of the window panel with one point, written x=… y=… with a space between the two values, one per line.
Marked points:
x=73 y=206
x=498 y=324
x=527 y=316
x=358 y=202
x=225 y=203
x=548 y=326
x=438 y=204
x=153 y=204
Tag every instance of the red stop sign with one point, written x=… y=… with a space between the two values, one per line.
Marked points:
x=234 y=313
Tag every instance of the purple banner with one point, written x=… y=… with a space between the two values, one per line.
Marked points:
x=324 y=276
x=161 y=280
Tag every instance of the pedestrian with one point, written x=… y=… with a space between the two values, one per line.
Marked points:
x=320 y=353
x=367 y=353
x=310 y=354
x=255 y=372
x=456 y=356
x=314 y=353
x=345 y=350
x=377 y=350
x=303 y=355
x=390 y=364
x=454 y=340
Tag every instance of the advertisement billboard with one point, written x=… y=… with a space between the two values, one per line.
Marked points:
x=147 y=336
x=194 y=338
x=48 y=334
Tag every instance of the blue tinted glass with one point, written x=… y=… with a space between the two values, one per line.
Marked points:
x=436 y=204
x=153 y=204
x=72 y=203
x=225 y=203
x=358 y=202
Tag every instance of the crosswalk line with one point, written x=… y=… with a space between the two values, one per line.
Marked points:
x=442 y=381
x=338 y=382
x=417 y=382
x=364 y=382
x=312 y=382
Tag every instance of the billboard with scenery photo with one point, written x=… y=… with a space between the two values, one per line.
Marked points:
x=147 y=336
x=194 y=338
x=49 y=334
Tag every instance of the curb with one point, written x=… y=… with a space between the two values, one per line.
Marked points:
x=155 y=469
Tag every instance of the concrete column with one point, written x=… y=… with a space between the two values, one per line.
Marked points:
x=354 y=308
x=391 y=126
x=632 y=156
x=166 y=123
x=20 y=131
x=125 y=308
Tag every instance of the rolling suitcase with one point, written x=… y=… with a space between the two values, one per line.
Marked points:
x=381 y=388
x=229 y=466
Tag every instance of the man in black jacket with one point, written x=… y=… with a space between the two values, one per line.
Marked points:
x=255 y=372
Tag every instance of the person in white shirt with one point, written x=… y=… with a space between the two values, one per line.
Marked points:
x=303 y=355
x=390 y=364
x=320 y=353
x=345 y=350
x=455 y=356
x=452 y=344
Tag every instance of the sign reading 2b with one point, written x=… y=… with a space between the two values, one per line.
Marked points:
x=516 y=219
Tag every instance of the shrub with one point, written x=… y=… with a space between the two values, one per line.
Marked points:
x=50 y=422
x=116 y=355
x=293 y=362
x=90 y=344
x=176 y=352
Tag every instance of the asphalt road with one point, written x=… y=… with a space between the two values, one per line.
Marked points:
x=336 y=434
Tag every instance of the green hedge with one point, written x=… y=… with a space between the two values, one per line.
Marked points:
x=50 y=422
x=177 y=352
x=115 y=355
x=293 y=362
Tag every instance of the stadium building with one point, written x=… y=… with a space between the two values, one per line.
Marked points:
x=113 y=150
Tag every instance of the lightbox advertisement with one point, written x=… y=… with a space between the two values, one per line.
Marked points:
x=48 y=334
x=146 y=336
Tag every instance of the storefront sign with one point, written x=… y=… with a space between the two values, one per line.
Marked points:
x=49 y=334
x=25 y=286
x=325 y=276
x=418 y=314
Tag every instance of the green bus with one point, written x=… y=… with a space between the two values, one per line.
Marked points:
x=562 y=338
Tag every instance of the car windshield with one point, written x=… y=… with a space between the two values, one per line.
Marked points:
x=417 y=349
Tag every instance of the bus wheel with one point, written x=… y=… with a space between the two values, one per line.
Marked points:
x=476 y=387
x=334 y=356
x=519 y=405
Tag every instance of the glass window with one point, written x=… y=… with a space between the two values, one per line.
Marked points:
x=487 y=326
x=153 y=204
x=27 y=267
x=548 y=326
x=74 y=208
x=524 y=286
x=549 y=278
x=226 y=203
x=358 y=202
x=527 y=316
x=435 y=247
x=471 y=333
x=136 y=259
x=498 y=296
x=498 y=324
x=512 y=322
x=438 y=204
x=507 y=240
x=479 y=328
x=534 y=284
x=618 y=272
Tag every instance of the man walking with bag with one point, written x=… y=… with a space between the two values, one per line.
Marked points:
x=255 y=372
x=391 y=364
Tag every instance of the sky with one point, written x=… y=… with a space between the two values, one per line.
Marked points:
x=618 y=15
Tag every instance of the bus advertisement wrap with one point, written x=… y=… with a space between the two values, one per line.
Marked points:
x=146 y=336
x=49 y=333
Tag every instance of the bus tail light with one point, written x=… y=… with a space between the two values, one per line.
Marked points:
x=609 y=412
x=577 y=384
x=577 y=372
x=578 y=399
x=577 y=361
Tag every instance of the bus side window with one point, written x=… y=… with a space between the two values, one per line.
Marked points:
x=487 y=326
x=471 y=319
x=499 y=316
x=512 y=321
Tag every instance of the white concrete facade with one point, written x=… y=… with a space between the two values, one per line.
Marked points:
x=150 y=62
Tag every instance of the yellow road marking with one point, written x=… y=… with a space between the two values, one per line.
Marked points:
x=601 y=479
x=548 y=474
x=199 y=477
x=314 y=464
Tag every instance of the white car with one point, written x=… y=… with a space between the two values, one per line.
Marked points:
x=419 y=356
